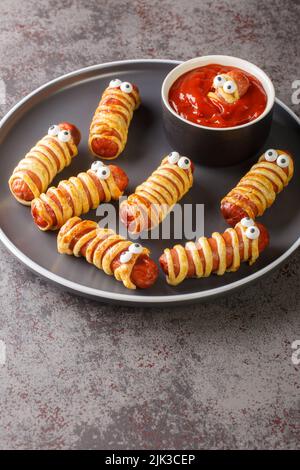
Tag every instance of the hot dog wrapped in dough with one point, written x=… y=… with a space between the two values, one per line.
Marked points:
x=78 y=195
x=229 y=87
x=257 y=190
x=128 y=262
x=220 y=253
x=41 y=164
x=109 y=127
x=155 y=198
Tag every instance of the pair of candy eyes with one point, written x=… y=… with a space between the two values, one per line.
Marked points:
x=282 y=160
x=134 y=249
x=124 y=86
x=252 y=232
x=62 y=134
x=102 y=171
x=228 y=86
x=183 y=162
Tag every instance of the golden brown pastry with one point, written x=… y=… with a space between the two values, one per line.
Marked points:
x=41 y=164
x=129 y=262
x=220 y=253
x=78 y=195
x=257 y=190
x=155 y=198
x=109 y=127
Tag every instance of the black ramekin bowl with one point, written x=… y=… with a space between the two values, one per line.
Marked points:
x=217 y=146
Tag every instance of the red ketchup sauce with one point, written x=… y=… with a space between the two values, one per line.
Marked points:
x=188 y=97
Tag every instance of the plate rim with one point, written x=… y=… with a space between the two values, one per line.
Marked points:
x=128 y=298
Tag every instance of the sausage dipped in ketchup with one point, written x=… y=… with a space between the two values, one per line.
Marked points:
x=218 y=96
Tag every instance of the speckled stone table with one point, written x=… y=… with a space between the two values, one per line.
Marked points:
x=80 y=374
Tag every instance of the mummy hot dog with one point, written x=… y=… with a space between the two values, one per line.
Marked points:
x=154 y=199
x=229 y=87
x=257 y=190
x=78 y=195
x=109 y=127
x=128 y=262
x=41 y=164
x=217 y=254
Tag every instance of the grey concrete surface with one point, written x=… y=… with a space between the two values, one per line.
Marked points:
x=82 y=375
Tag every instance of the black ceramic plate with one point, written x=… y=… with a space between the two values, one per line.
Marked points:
x=73 y=98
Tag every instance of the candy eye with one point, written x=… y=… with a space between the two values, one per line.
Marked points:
x=229 y=87
x=271 y=155
x=64 y=135
x=247 y=222
x=96 y=166
x=115 y=83
x=126 y=87
x=103 y=172
x=252 y=232
x=125 y=257
x=173 y=158
x=219 y=81
x=135 y=248
x=283 y=161
x=53 y=130
x=184 y=163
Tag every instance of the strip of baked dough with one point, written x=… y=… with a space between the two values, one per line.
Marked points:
x=221 y=247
